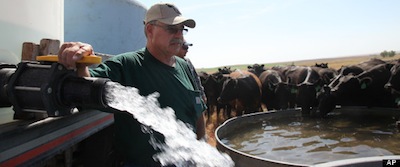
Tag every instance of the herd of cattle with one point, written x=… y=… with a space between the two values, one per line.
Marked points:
x=317 y=90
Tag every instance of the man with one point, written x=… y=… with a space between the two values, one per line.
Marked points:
x=154 y=68
x=184 y=49
x=182 y=54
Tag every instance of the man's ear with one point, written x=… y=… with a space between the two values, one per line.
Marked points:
x=148 y=28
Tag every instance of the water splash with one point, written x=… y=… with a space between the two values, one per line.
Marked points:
x=181 y=147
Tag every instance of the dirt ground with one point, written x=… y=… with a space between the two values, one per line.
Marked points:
x=212 y=123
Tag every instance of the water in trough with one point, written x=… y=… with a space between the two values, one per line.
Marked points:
x=310 y=141
x=181 y=147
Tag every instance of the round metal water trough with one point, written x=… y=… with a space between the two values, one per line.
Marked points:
x=242 y=159
x=365 y=161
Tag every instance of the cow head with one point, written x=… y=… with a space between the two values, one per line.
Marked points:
x=327 y=102
x=225 y=70
x=228 y=90
x=256 y=69
x=282 y=93
x=322 y=65
x=213 y=87
x=352 y=69
x=343 y=89
x=203 y=76
x=393 y=85
x=344 y=84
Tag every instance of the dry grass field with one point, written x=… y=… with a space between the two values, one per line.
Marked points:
x=335 y=63
x=214 y=121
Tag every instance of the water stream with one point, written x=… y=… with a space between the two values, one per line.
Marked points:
x=181 y=147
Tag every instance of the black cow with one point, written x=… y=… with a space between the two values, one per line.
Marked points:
x=326 y=74
x=364 y=89
x=283 y=70
x=242 y=92
x=305 y=83
x=371 y=63
x=275 y=92
x=322 y=65
x=360 y=67
x=224 y=70
x=212 y=88
x=203 y=76
x=256 y=69
x=393 y=85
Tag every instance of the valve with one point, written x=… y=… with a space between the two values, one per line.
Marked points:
x=48 y=87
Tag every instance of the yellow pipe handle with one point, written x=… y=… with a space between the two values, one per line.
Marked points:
x=92 y=59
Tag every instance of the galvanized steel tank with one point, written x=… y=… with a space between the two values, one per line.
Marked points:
x=110 y=26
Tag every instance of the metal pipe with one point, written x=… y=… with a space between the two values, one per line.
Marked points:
x=50 y=88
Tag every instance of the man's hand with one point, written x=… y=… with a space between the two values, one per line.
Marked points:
x=71 y=52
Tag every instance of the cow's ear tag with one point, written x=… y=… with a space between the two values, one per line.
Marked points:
x=318 y=88
x=363 y=85
x=397 y=101
x=293 y=90
x=270 y=87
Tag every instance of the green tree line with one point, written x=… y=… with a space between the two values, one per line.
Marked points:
x=388 y=53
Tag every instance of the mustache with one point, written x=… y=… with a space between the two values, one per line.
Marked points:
x=176 y=40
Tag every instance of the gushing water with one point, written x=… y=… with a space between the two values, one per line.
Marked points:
x=181 y=147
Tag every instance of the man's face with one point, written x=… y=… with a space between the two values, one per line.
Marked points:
x=182 y=51
x=167 y=38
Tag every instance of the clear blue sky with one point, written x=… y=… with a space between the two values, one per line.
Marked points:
x=232 y=32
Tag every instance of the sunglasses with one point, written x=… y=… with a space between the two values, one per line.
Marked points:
x=172 y=29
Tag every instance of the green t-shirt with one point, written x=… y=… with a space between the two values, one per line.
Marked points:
x=141 y=70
